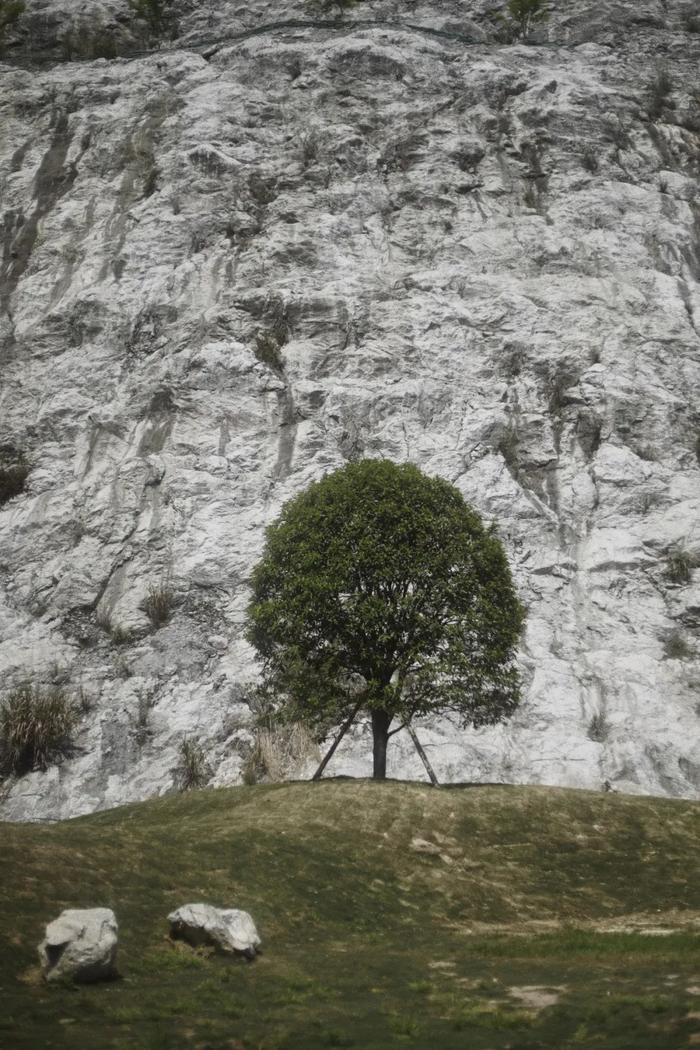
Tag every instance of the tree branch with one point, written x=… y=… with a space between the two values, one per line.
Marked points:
x=344 y=728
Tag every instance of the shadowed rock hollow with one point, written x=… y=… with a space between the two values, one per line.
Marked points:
x=230 y=267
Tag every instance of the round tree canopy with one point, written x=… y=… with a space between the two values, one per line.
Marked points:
x=380 y=588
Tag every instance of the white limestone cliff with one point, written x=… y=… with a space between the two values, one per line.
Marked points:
x=481 y=258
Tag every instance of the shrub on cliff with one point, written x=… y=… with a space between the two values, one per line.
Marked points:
x=157 y=15
x=194 y=770
x=324 y=7
x=379 y=590
x=35 y=727
x=14 y=471
x=10 y=10
x=520 y=16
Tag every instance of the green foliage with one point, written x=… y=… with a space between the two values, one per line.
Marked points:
x=268 y=346
x=675 y=646
x=118 y=634
x=524 y=14
x=35 y=727
x=14 y=471
x=598 y=728
x=121 y=635
x=10 y=11
x=380 y=589
x=324 y=7
x=85 y=41
x=157 y=14
x=590 y=161
x=194 y=771
x=679 y=567
x=659 y=89
x=509 y=447
x=691 y=21
x=158 y=603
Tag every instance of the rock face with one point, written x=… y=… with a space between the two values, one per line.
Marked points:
x=80 y=944
x=231 y=265
x=229 y=930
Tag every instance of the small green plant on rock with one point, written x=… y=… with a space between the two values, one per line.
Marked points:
x=598 y=728
x=324 y=7
x=531 y=198
x=118 y=634
x=268 y=350
x=513 y=359
x=589 y=159
x=522 y=15
x=158 y=603
x=84 y=42
x=659 y=90
x=509 y=447
x=310 y=149
x=142 y=725
x=157 y=14
x=121 y=635
x=675 y=645
x=194 y=770
x=36 y=724
x=10 y=11
x=679 y=567
x=14 y=471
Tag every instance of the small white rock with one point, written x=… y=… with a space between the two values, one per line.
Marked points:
x=228 y=929
x=80 y=944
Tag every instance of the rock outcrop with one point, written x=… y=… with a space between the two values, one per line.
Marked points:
x=229 y=930
x=231 y=265
x=80 y=945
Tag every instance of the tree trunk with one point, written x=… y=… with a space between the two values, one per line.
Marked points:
x=380 y=733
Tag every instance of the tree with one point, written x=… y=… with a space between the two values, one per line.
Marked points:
x=379 y=590
x=524 y=13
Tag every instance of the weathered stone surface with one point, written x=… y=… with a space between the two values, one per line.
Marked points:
x=227 y=929
x=481 y=258
x=80 y=944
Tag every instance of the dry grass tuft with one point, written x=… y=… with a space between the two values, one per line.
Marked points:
x=194 y=770
x=35 y=727
x=279 y=753
x=158 y=603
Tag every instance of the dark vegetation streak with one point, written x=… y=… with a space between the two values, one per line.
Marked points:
x=208 y=43
x=52 y=181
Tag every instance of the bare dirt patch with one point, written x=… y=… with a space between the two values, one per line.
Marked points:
x=536 y=997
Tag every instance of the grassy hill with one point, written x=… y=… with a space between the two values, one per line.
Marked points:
x=392 y=915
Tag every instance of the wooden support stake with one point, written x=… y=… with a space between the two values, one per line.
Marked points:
x=423 y=756
x=343 y=730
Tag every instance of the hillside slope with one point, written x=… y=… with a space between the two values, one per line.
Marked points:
x=229 y=268
x=391 y=914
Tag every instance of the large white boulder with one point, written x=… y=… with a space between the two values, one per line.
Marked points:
x=227 y=929
x=80 y=944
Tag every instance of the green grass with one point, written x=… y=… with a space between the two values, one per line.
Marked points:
x=520 y=925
